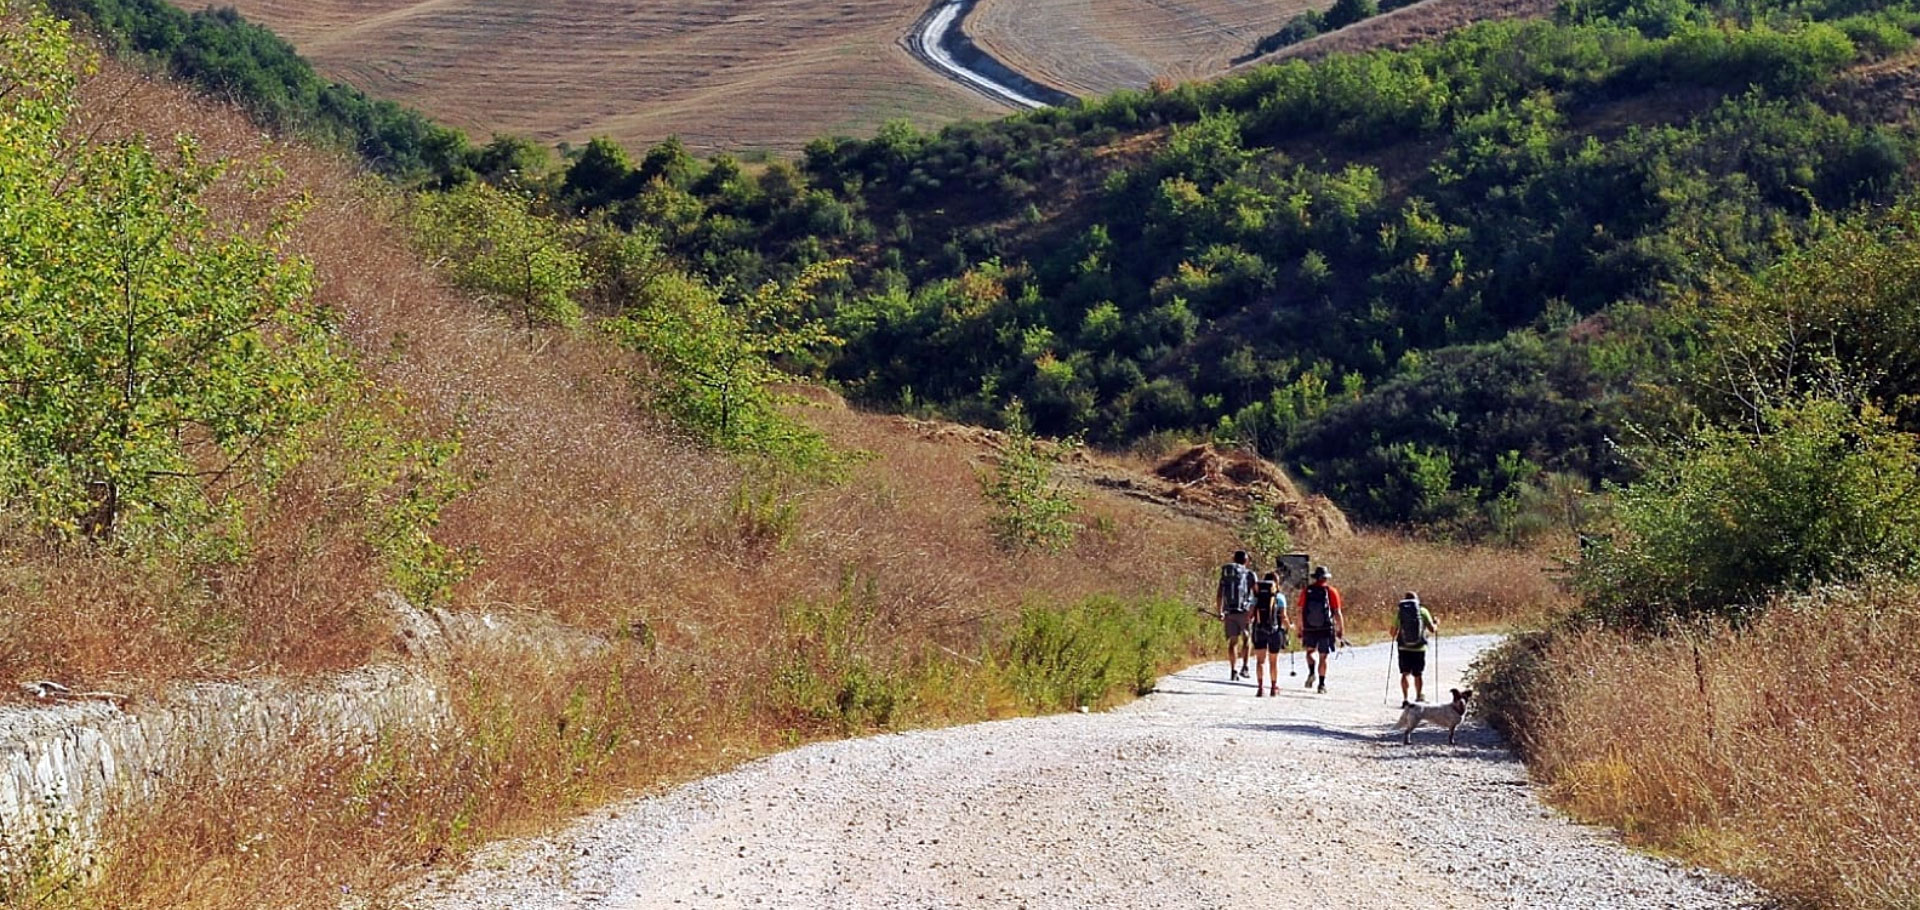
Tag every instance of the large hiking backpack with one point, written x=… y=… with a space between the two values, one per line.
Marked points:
x=1413 y=633
x=1236 y=587
x=1316 y=609
x=1266 y=595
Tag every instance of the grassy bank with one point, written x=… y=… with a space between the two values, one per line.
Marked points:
x=1787 y=751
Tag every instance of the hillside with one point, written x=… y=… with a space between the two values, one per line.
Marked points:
x=1428 y=279
x=397 y=432
x=1092 y=49
x=722 y=79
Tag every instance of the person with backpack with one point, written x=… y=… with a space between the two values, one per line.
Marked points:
x=1232 y=599
x=1322 y=625
x=1411 y=625
x=1269 y=634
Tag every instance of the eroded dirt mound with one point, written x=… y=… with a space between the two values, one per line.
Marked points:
x=1234 y=482
x=1204 y=482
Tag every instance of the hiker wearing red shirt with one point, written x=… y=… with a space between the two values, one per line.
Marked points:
x=1321 y=625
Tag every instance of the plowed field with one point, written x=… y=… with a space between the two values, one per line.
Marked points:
x=1096 y=46
x=722 y=74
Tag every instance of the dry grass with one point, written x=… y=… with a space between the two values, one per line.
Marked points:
x=721 y=75
x=1788 y=752
x=583 y=508
x=1407 y=26
x=1084 y=47
x=1468 y=588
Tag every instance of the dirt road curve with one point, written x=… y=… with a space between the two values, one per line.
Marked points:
x=1199 y=796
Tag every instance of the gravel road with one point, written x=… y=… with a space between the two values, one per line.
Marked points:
x=1198 y=796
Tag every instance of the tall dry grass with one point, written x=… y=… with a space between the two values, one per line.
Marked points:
x=1787 y=751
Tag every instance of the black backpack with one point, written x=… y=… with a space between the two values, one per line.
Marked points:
x=1265 y=596
x=1413 y=633
x=1236 y=587
x=1316 y=609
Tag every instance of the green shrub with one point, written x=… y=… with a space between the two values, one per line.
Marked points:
x=1032 y=506
x=1817 y=491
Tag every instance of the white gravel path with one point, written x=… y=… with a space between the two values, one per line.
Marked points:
x=1199 y=796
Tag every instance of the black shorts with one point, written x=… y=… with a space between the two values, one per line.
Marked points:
x=1323 y=642
x=1274 y=639
x=1414 y=662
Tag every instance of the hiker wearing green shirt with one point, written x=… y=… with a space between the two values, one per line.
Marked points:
x=1411 y=625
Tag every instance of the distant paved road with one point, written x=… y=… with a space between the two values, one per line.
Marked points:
x=1199 y=796
x=929 y=43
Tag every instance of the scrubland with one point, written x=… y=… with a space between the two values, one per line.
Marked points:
x=748 y=610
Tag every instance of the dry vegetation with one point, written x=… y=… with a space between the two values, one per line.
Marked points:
x=1788 y=751
x=1094 y=48
x=717 y=582
x=720 y=75
x=1407 y=26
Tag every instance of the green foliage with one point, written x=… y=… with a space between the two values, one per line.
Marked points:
x=164 y=373
x=835 y=671
x=1817 y=491
x=491 y=242
x=1074 y=657
x=1262 y=533
x=227 y=56
x=157 y=366
x=721 y=362
x=1032 y=507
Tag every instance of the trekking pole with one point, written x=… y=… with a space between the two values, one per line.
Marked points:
x=1387 y=696
x=1438 y=680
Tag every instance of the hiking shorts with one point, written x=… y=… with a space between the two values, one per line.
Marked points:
x=1235 y=624
x=1274 y=639
x=1413 y=662
x=1323 y=642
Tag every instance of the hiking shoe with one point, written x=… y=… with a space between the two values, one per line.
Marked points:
x=1243 y=670
x=1323 y=687
x=1232 y=674
x=1274 y=690
x=1309 y=680
x=1405 y=704
x=1256 y=691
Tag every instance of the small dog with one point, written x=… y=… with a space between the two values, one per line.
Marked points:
x=1447 y=715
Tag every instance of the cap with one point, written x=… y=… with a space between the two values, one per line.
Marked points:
x=1321 y=573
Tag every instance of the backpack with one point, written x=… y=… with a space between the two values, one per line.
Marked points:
x=1266 y=595
x=1236 y=587
x=1316 y=609
x=1413 y=634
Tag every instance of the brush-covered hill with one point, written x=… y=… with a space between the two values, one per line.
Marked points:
x=1429 y=280
x=246 y=397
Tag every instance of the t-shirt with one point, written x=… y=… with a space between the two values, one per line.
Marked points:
x=1333 y=603
x=1426 y=621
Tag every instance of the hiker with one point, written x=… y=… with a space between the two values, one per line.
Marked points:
x=1322 y=626
x=1231 y=601
x=1269 y=633
x=1411 y=625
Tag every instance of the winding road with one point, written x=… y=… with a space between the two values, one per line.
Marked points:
x=1198 y=796
x=940 y=41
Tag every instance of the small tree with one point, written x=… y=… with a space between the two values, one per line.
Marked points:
x=720 y=362
x=1032 y=506
x=152 y=361
x=1262 y=531
x=494 y=245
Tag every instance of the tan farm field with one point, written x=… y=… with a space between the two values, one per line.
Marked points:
x=721 y=74
x=1099 y=46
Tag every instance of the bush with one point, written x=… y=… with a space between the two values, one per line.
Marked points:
x=1818 y=492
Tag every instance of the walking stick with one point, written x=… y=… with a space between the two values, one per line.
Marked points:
x=1438 y=680
x=1387 y=696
